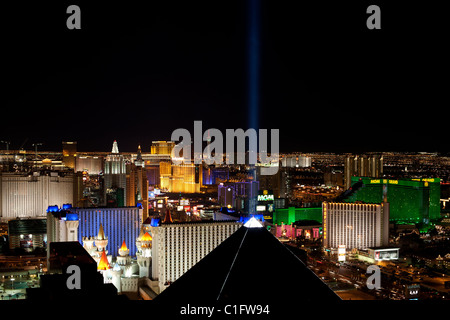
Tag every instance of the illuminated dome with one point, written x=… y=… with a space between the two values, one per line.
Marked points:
x=103 y=263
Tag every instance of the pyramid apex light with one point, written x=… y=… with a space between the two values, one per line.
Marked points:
x=253 y=223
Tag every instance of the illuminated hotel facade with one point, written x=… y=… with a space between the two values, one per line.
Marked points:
x=119 y=224
x=178 y=246
x=115 y=175
x=295 y=161
x=23 y=195
x=184 y=178
x=362 y=166
x=69 y=153
x=355 y=225
x=162 y=147
x=137 y=184
x=411 y=200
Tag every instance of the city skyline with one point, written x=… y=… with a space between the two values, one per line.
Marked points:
x=351 y=95
x=337 y=214
x=8 y=146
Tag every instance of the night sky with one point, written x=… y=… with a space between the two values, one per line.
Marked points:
x=135 y=73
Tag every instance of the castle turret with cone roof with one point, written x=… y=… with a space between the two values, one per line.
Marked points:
x=101 y=241
x=88 y=245
x=124 y=258
x=96 y=246
x=144 y=254
x=103 y=264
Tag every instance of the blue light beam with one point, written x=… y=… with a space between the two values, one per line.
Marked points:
x=253 y=62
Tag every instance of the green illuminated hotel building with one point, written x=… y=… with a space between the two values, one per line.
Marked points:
x=411 y=200
x=291 y=215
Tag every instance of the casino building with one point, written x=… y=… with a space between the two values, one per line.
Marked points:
x=355 y=225
x=27 y=234
x=411 y=200
x=28 y=196
x=179 y=246
x=119 y=223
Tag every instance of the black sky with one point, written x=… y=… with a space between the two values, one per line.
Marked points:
x=134 y=73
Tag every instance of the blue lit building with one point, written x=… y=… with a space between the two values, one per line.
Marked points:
x=62 y=224
x=119 y=224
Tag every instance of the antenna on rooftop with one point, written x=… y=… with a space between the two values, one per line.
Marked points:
x=7 y=144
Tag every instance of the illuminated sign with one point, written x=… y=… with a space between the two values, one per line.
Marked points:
x=262 y=197
x=260 y=208
x=341 y=253
x=265 y=195
x=384 y=181
x=412 y=291
x=424 y=179
x=386 y=254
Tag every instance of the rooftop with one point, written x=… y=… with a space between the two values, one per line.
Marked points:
x=252 y=266
x=198 y=222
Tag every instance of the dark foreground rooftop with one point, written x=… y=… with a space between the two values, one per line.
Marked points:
x=251 y=266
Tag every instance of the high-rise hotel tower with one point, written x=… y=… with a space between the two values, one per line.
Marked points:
x=355 y=225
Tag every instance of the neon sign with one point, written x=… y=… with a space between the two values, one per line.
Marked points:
x=265 y=197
